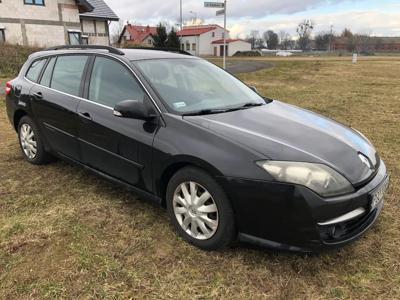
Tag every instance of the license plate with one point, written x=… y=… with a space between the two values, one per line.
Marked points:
x=378 y=195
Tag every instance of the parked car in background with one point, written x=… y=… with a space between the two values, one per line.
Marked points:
x=226 y=162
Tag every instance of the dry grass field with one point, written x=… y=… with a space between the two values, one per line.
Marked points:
x=65 y=233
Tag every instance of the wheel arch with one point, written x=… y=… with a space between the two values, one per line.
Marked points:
x=177 y=164
x=18 y=115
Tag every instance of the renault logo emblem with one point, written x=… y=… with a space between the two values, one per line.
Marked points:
x=365 y=160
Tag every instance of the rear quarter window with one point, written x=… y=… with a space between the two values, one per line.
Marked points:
x=35 y=69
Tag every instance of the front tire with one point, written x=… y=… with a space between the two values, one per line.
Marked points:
x=31 y=142
x=199 y=209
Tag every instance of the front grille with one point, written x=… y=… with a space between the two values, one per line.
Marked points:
x=341 y=232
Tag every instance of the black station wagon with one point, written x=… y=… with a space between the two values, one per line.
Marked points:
x=226 y=162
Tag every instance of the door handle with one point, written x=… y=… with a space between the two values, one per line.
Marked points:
x=38 y=95
x=85 y=115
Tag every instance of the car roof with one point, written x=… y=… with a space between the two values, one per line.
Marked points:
x=130 y=54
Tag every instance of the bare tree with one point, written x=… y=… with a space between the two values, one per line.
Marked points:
x=323 y=41
x=304 y=30
x=255 y=40
x=117 y=33
x=286 y=41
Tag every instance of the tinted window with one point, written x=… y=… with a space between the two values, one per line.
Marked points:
x=111 y=83
x=67 y=74
x=34 y=70
x=46 y=78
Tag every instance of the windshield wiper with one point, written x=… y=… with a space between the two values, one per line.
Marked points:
x=204 y=112
x=218 y=111
x=247 y=105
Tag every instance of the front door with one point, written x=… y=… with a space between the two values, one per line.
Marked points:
x=55 y=101
x=215 y=51
x=221 y=50
x=119 y=147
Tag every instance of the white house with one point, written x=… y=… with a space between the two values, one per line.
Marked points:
x=206 y=40
x=46 y=23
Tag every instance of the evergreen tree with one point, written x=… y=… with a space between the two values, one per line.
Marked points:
x=160 y=39
x=173 y=40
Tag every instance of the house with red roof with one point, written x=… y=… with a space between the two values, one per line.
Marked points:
x=136 y=35
x=208 y=40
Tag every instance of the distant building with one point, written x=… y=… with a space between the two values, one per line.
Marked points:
x=136 y=35
x=365 y=43
x=55 y=22
x=202 y=40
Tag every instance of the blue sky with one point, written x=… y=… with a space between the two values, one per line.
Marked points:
x=370 y=16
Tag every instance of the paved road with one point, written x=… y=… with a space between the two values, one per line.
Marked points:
x=247 y=66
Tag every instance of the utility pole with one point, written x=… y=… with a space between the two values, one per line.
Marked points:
x=224 y=63
x=181 y=15
x=330 y=39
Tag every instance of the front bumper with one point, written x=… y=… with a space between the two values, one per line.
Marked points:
x=292 y=217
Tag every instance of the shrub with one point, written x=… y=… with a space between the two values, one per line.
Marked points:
x=12 y=57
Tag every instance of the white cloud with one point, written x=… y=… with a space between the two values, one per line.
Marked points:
x=245 y=15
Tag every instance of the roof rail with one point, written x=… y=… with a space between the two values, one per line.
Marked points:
x=83 y=47
x=174 y=50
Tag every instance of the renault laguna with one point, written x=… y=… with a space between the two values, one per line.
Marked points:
x=225 y=162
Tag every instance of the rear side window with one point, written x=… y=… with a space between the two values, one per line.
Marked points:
x=111 y=82
x=46 y=77
x=35 y=69
x=67 y=74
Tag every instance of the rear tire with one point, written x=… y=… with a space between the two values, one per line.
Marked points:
x=31 y=142
x=199 y=209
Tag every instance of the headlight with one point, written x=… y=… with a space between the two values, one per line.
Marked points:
x=320 y=178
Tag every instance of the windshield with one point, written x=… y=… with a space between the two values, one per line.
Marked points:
x=195 y=85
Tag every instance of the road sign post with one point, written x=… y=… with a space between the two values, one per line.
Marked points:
x=219 y=13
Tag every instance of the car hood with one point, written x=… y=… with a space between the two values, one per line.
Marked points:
x=281 y=131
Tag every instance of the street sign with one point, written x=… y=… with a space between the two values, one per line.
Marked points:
x=214 y=4
x=221 y=12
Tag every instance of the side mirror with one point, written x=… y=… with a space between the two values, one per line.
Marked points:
x=133 y=109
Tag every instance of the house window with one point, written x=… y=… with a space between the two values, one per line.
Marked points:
x=149 y=42
x=2 y=36
x=34 y=2
x=84 y=40
x=223 y=35
x=193 y=47
x=213 y=34
x=74 y=38
x=183 y=47
x=188 y=46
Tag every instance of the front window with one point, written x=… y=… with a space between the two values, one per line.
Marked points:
x=194 y=85
x=111 y=83
x=193 y=47
x=34 y=2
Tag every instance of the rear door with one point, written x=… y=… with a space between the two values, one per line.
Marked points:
x=119 y=147
x=55 y=101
